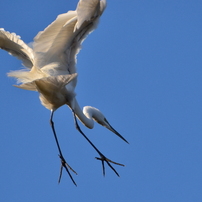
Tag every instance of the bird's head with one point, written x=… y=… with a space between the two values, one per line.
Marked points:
x=96 y=115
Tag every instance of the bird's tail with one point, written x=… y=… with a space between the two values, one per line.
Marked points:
x=47 y=84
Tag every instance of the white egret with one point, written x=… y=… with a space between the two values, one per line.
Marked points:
x=51 y=68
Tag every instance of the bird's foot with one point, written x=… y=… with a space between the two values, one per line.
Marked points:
x=103 y=159
x=67 y=167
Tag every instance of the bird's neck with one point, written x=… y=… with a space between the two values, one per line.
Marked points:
x=87 y=121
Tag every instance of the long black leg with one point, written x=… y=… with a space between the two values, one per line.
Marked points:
x=63 y=161
x=102 y=158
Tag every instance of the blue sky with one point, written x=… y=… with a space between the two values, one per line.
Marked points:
x=142 y=68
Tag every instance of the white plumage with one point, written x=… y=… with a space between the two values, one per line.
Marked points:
x=51 y=66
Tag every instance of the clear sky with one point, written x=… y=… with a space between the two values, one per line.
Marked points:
x=142 y=67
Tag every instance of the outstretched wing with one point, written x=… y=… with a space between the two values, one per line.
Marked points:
x=60 y=42
x=16 y=47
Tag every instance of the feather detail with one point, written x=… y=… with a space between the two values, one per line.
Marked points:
x=16 y=47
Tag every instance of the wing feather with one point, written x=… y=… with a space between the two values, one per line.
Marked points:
x=16 y=47
x=61 y=41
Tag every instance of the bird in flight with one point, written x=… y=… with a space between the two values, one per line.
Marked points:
x=50 y=69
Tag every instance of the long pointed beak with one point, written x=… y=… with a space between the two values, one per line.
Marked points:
x=115 y=132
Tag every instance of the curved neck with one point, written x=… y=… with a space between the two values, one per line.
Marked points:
x=87 y=121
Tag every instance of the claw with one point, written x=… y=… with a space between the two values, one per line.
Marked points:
x=67 y=168
x=104 y=159
x=63 y=161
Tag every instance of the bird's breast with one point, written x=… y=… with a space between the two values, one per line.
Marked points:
x=54 y=100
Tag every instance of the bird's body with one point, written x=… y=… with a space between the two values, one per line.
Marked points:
x=54 y=54
x=51 y=63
